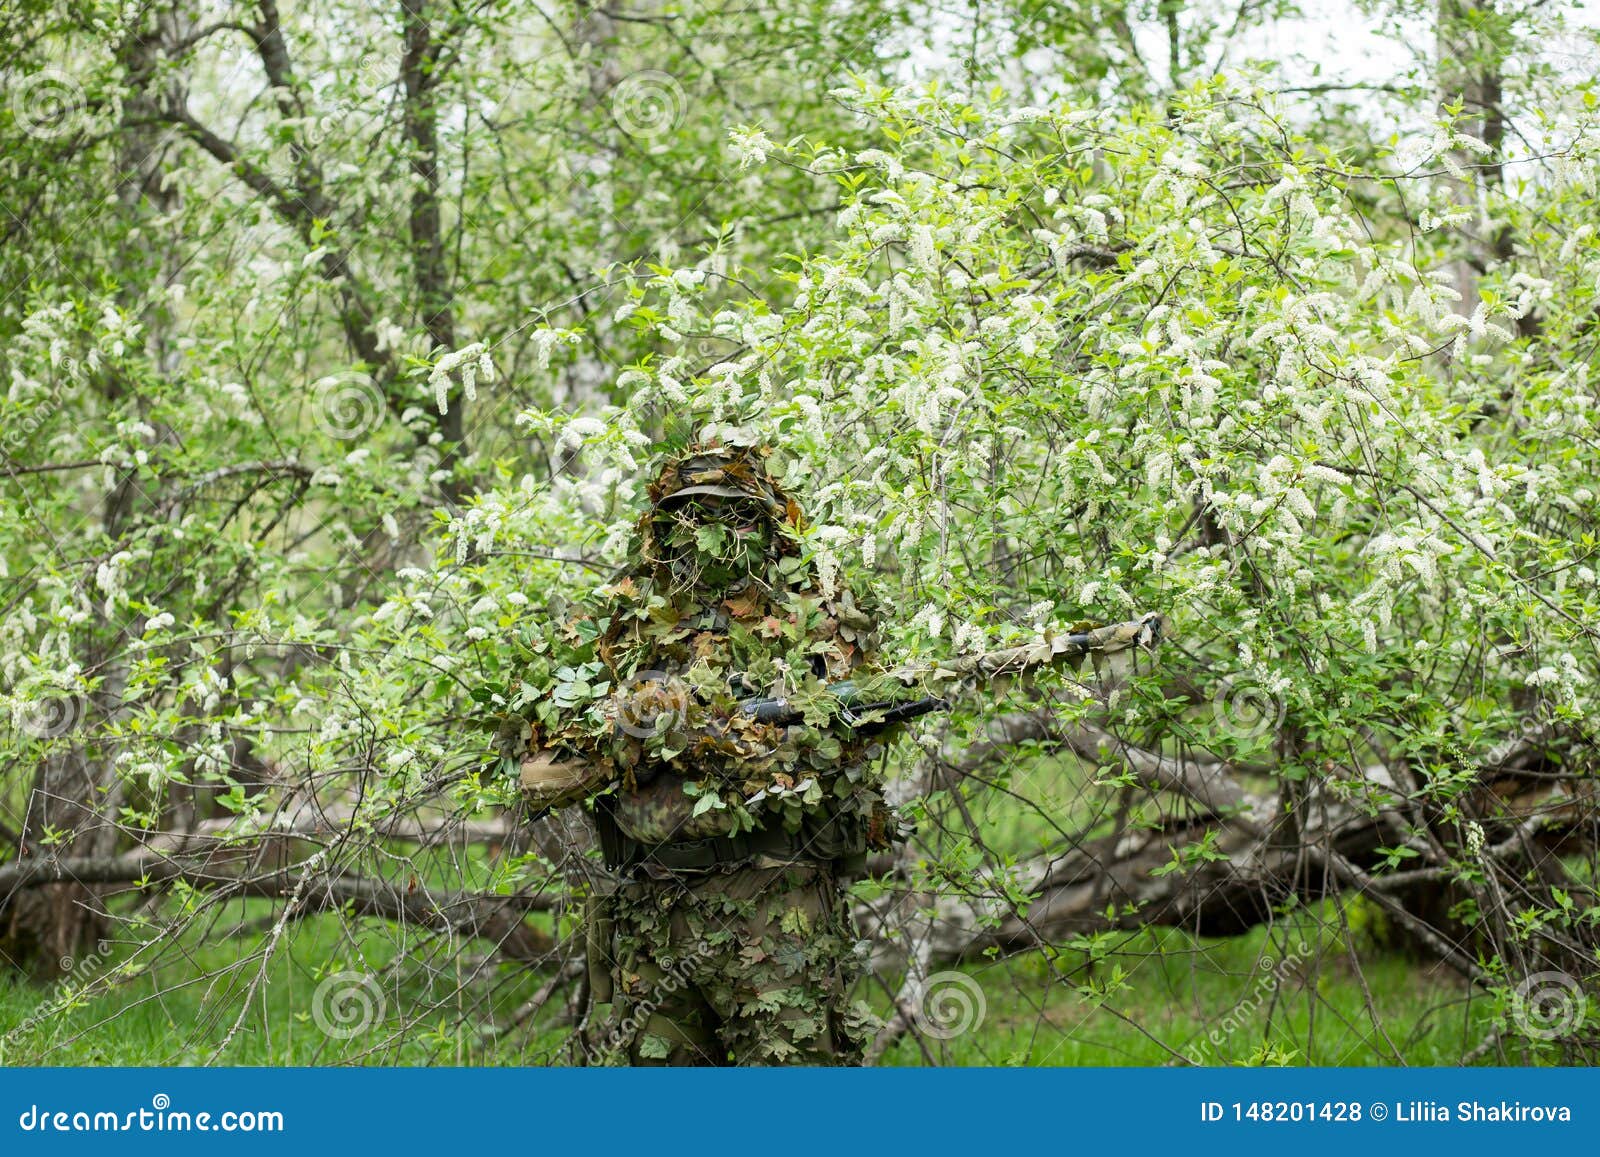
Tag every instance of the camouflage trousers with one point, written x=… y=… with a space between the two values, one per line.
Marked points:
x=747 y=967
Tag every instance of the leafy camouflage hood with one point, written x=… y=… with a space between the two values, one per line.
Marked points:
x=717 y=517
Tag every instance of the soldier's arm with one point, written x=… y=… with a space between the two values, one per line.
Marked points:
x=552 y=779
x=1143 y=633
x=553 y=771
x=875 y=701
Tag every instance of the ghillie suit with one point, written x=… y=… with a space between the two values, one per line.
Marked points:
x=727 y=937
x=730 y=835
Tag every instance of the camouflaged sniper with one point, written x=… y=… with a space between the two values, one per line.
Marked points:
x=726 y=936
x=716 y=606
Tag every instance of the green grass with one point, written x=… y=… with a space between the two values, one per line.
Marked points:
x=429 y=998
x=1209 y=1000
x=1154 y=996
x=1163 y=997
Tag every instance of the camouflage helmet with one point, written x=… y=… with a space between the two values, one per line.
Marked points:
x=728 y=472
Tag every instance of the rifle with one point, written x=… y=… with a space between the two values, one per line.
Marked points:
x=878 y=714
x=859 y=707
x=780 y=712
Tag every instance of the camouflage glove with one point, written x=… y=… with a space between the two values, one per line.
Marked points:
x=550 y=780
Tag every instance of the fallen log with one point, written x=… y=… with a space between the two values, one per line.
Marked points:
x=498 y=919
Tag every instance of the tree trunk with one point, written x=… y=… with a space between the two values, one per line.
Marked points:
x=76 y=792
x=1471 y=48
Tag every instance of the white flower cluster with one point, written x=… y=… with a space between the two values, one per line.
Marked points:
x=472 y=361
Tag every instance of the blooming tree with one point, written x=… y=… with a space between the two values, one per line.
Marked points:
x=340 y=407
